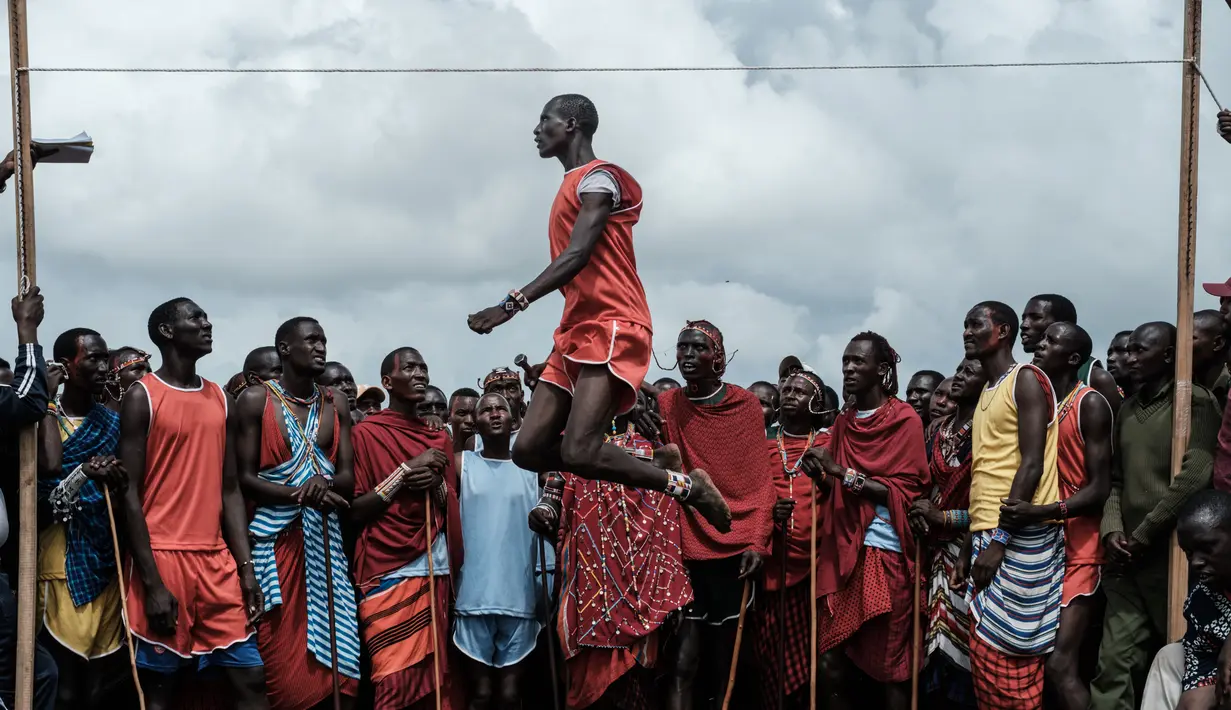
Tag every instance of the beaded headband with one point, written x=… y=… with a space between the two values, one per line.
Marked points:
x=710 y=331
x=141 y=356
x=501 y=374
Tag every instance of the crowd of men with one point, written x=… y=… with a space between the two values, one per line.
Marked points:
x=392 y=532
x=998 y=537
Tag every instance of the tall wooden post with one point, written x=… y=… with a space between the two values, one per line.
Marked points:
x=19 y=57
x=1177 y=588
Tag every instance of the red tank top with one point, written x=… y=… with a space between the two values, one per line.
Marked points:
x=1082 y=543
x=181 y=493
x=608 y=288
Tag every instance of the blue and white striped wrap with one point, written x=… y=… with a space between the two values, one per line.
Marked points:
x=1019 y=612
x=271 y=520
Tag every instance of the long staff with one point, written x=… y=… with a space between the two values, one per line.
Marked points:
x=119 y=575
x=782 y=621
x=333 y=629
x=812 y=582
x=431 y=593
x=551 y=627
x=916 y=632
x=739 y=637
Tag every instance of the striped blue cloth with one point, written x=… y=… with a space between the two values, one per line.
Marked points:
x=307 y=460
x=1019 y=612
x=89 y=562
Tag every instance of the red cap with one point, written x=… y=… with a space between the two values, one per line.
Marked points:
x=1218 y=290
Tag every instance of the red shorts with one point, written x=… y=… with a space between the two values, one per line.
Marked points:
x=1080 y=580
x=625 y=348
x=211 y=605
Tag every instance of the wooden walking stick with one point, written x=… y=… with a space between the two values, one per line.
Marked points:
x=431 y=593
x=333 y=628
x=739 y=637
x=119 y=576
x=551 y=627
x=915 y=633
x=27 y=443
x=782 y=622
x=812 y=582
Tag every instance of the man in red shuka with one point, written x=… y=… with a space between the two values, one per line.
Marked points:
x=874 y=466
x=720 y=427
x=603 y=345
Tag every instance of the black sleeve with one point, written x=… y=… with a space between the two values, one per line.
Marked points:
x=25 y=402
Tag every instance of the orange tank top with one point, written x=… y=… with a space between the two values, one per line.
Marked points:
x=181 y=493
x=608 y=288
x=1082 y=543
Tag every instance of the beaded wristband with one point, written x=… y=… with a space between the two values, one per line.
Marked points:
x=551 y=512
x=519 y=300
x=1064 y=509
x=679 y=485
x=957 y=519
x=1000 y=536
x=853 y=481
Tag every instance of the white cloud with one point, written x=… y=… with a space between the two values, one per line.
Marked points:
x=792 y=210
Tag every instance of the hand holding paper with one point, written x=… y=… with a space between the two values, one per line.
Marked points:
x=77 y=149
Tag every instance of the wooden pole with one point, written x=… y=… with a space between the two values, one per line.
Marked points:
x=1177 y=587
x=329 y=603
x=916 y=635
x=739 y=637
x=119 y=577
x=431 y=592
x=27 y=561
x=812 y=596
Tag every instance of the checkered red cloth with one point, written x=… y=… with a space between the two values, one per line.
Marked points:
x=793 y=604
x=1004 y=682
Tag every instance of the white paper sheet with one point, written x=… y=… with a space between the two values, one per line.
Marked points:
x=77 y=149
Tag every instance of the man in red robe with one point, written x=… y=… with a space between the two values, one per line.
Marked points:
x=621 y=544
x=403 y=468
x=718 y=427
x=874 y=467
x=783 y=621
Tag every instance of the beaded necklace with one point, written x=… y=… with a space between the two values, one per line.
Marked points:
x=994 y=385
x=792 y=471
x=950 y=440
x=305 y=402
x=1067 y=405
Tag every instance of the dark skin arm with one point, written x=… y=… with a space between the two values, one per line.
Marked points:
x=426 y=472
x=591 y=220
x=161 y=608
x=235 y=518
x=820 y=460
x=1033 y=414
x=1102 y=381
x=344 y=467
x=248 y=412
x=1096 y=430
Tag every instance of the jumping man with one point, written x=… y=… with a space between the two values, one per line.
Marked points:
x=603 y=345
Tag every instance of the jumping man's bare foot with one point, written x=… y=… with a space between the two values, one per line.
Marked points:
x=704 y=497
x=706 y=500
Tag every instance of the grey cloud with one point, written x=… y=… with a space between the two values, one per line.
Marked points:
x=391 y=206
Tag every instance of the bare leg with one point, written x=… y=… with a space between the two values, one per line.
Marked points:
x=510 y=686
x=248 y=685
x=159 y=689
x=479 y=676
x=1199 y=699
x=72 y=692
x=834 y=675
x=1061 y=672
x=583 y=452
x=684 y=666
x=897 y=696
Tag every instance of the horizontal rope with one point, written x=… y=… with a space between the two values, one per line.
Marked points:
x=590 y=70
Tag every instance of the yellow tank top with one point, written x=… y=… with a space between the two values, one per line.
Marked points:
x=996 y=457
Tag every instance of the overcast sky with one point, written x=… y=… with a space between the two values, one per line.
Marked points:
x=793 y=210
